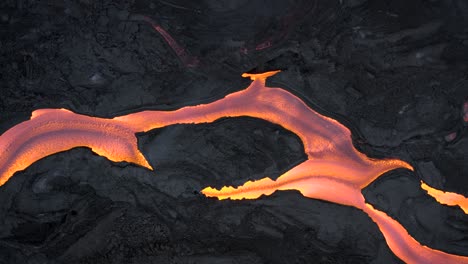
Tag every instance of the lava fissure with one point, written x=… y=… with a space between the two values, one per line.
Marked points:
x=447 y=198
x=334 y=170
x=185 y=58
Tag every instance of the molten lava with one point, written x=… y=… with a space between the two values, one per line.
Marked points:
x=334 y=170
x=447 y=198
x=50 y=131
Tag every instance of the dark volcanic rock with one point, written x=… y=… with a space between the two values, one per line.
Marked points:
x=394 y=72
x=226 y=152
x=76 y=207
x=439 y=227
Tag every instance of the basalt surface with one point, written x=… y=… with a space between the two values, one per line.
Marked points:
x=394 y=73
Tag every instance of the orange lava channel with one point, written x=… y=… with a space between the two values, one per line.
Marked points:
x=334 y=170
x=447 y=198
x=50 y=131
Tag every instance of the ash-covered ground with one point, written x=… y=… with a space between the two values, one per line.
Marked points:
x=394 y=72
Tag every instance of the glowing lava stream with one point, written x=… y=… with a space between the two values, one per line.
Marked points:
x=448 y=198
x=334 y=171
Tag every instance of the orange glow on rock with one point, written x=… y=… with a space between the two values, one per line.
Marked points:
x=406 y=247
x=447 y=198
x=50 y=131
x=334 y=170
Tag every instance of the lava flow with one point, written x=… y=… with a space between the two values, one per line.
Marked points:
x=447 y=198
x=334 y=170
x=50 y=131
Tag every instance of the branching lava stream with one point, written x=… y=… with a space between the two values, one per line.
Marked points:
x=447 y=198
x=334 y=170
